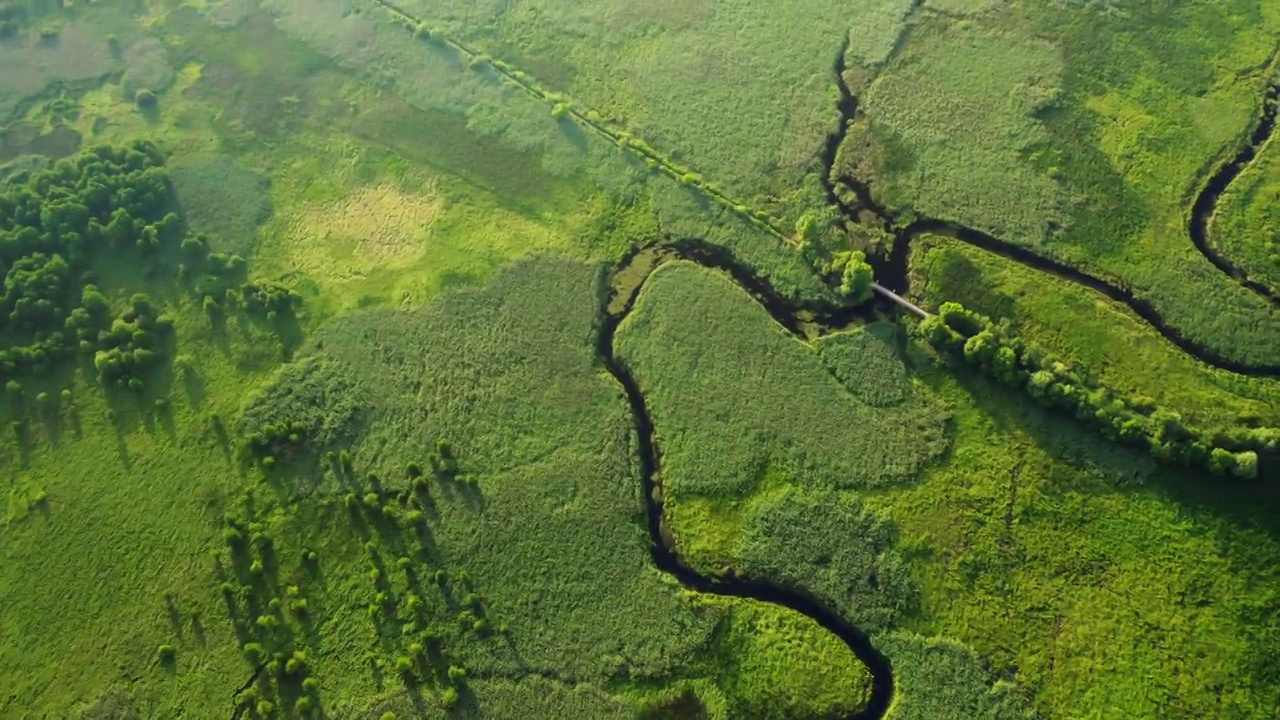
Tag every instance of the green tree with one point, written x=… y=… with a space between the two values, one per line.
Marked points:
x=857 y=278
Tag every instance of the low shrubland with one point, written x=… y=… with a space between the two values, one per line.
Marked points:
x=772 y=75
x=831 y=546
x=223 y=200
x=944 y=680
x=951 y=120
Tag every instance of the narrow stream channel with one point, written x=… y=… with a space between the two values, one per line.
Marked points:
x=635 y=270
x=1207 y=201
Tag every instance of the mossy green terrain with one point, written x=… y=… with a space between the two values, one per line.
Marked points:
x=669 y=72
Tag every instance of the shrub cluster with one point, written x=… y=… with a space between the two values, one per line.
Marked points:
x=269 y=298
x=313 y=406
x=1134 y=421
x=134 y=344
x=52 y=227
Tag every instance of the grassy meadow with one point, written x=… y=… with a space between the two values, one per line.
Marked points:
x=310 y=422
x=669 y=72
x=775 y=489
x=1083 y=131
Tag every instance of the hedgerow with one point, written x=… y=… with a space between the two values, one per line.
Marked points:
x=980 y=342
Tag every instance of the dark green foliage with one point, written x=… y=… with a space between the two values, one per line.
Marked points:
x=145 y=99
x=167 y=654
x=856 y=278
x=133 y=346
x=265 y=298
x=52 y=228
x=963 y=333
x=866 y=363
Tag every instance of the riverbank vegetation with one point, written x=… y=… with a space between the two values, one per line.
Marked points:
x=448 y=519
x=1109 y=148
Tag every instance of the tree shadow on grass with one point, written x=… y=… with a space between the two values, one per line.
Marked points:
x=1244 y=504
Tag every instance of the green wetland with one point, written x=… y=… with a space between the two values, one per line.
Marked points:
x=657 y=360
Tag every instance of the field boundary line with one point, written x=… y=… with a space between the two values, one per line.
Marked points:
x=563 y=106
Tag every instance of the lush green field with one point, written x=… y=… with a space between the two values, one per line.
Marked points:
x=670 y=72
x=769 y=493
x=298 y=341
x=1059 y=559
x=1063 y=560
x=319 y=178
x=1083 y=131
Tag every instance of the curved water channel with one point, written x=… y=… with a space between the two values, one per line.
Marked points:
x=626 y=282
x=892 y=269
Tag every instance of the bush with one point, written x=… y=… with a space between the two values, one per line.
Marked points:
x=167 y=654
x=253 y=652
x=449 y=698
x=145 y=99
x=857 y=278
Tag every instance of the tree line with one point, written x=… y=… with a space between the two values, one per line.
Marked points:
x=1012 y=361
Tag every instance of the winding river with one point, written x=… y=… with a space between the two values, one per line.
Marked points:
x=806 y=321
x=892 y=269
